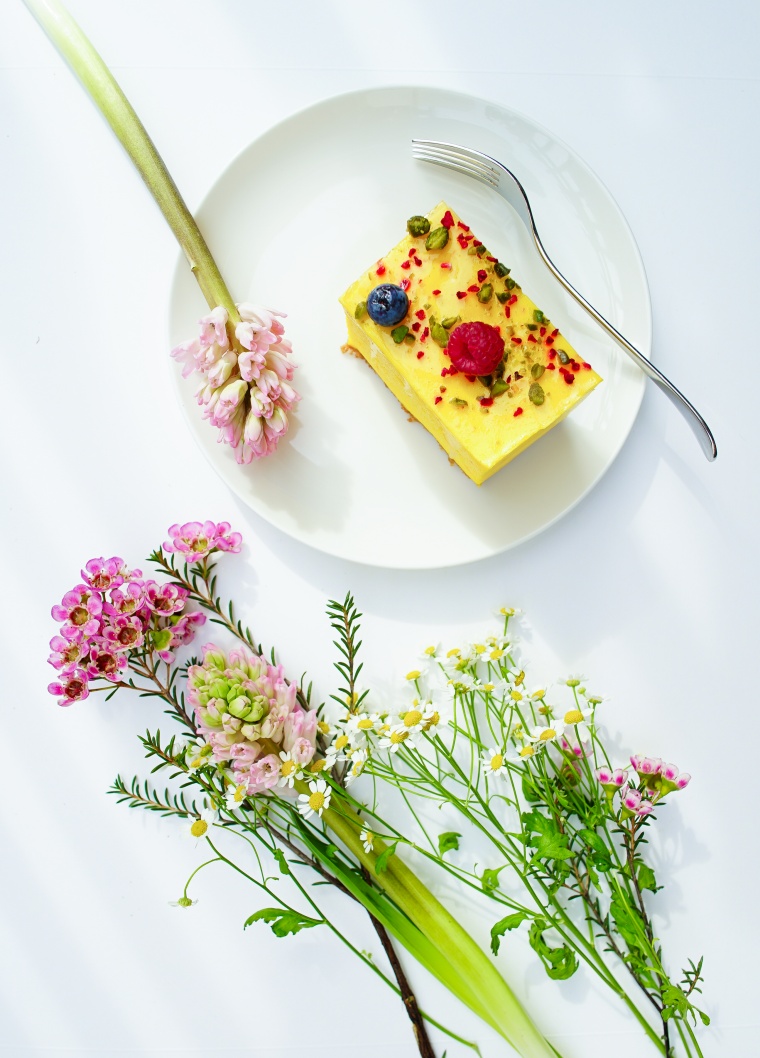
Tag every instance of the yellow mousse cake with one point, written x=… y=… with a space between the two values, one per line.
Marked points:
x=467 y=353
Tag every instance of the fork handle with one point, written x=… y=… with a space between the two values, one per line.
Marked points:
x=701 y=430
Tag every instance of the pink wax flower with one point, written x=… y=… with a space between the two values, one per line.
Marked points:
x=243 y=382
x=104 y=662
x=672 y=779
x=631 y=799
x=127 y=599
x=197 y=540
x=612 y=780
x=72 y=688
x=645 y=808
x=164 y=599
x=102 y=574
x=646 y=766
x=185 y=628
x=66 y=653
x=79 y=611
x=124 y=632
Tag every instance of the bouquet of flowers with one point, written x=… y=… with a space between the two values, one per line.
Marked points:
x=304 y=787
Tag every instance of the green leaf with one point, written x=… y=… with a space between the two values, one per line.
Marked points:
x=551 y=848
x=559 y=963
x=703 y=1016
x=646 y=877
x=282 y=863
x=281 y=921
x=592 y=839
x=508 y=923
x=628 y=923
x=489 y=880
x=381 y=863
x=448 y=841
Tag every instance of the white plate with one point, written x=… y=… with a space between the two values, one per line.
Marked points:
x=310 y=205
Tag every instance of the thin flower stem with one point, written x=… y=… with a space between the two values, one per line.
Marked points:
x=120 y=115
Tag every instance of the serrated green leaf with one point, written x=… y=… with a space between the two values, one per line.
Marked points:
x=502 y=927
x=559 y=963
x=381 y=863
x=646 y=877
x=282 y=863
x=489 y=879
x=448 y=841
x=281 y=921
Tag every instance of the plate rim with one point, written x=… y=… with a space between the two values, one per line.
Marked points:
x=637 y=259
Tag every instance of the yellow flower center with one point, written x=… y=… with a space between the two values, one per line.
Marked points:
x=199 y=828
x=453 y=653
x=317 y=765
x=365 y=724
x=496 y=762
x=412 y=718
x=369 y=839
x=430 y=651
x=397 y=737
x=357 y=768
x=317 y=801
x=239 y=794
x=520 y=678
x=527 y=751
x=288 y=767
x=341 y=741
x=547 y=735
x=518 y=731
x=574 y=716
x=496 y=654
x=516 y=696
x=432 y=721
x=478 y=648
x=414 y=674
x=323 y=727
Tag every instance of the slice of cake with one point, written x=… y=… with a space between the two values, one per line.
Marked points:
x=451 y=333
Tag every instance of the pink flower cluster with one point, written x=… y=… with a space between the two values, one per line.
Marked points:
x=246 y=389
x=197 y=540
x=656 y=780
x=244 y=706
x=114 y=611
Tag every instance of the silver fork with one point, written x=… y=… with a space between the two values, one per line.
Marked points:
x=486 y=169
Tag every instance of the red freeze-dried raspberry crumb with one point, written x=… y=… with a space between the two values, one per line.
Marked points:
x=550 y=341
x=462 y=240
x=405 y=284
x=438 y=400
x=462 y=226
x=416 y=326
x=417 y=261
x=461 y=294
x=517 y=411
x=473 y=289
x=420 y=314
x=516 y=340
x=420 y=354
x=552 y=367
x=531 y=339
x=486 y=402
x=475 y=348
x=493 y=260
x=587 y=366
x=482 y=275
x=406 y=264
x=477 y=242
x=445 y=264
x=412 y=252
x=380 y=271
x=542 y=332
x=424 y=335
x=552 y=353
x=436 y=293
x=447 y=221
x=555 y=332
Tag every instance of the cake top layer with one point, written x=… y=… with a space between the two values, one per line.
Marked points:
x=451 y=279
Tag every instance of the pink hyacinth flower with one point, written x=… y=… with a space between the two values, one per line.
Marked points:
x=264 y=774
x=71 y=689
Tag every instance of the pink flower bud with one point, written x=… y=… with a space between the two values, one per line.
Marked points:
x=645 y=808
x=631 y=800
x=646 y=766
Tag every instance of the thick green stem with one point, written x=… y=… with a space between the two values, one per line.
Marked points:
x=118 y=112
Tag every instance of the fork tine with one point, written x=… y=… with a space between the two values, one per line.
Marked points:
x=454 y=150
x=459 y=166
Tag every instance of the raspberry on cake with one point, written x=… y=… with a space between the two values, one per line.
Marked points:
x=467 y=353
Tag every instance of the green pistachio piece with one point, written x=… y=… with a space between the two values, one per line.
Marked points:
x=360 y=311
x=410 y=339
x=417 y=226
x=509 y=283
x=458 y=402
x=399 y=333
x=501 y=270
x=485 y=293
x=562 y=356
x=531 y=326
x=538 y=316
x=438 y=333
x=481 y=250
x=449 y=322
x=499 y=387
x=437 y=239
x=502 y=296
x=486 y=380
x=536 y=393
x=537 y=370
x=471 y=250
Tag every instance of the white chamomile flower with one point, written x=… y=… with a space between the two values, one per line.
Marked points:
x=360 y=725
x=430 y=653
x=184 y=901
x=316 y=800
x=526 y=752
x=575 y=720
x=508 y=611
x=431 y=720
x=396 y=738
x=199 y=753
x=493 y=762
x=337 y=750
x=236 y=795
x=550 y=732
x=573 y=680
x=290 y=770
x=413 y=675
x=413 y=717
x=538 y=694
x=200 y=827
x=368 y=839
x=320 y=764
x=357 y=761
x=324 y=729
x=462 y=682
x=518 y=733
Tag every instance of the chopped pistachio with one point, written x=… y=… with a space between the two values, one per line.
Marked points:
x=536 y=393
x=417 y=226
x=501 y=270
x=485 y=293
x=481 y=250
x=360 y=311
x=538 y=316
x=562 y=356
x=449 y=322
x=458 y=402
x=471 y=250
x=438 y=333
x=531 y=326
x=437 y=239
x=410 y=339
x=499 y=387
x=399 y=333
x=502 y=296
x=537 y=370
x=486 y=380
x=509 y=283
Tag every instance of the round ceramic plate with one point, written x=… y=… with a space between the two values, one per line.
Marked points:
x=308 y=207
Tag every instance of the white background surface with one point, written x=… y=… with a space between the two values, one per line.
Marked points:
x=648 y=587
